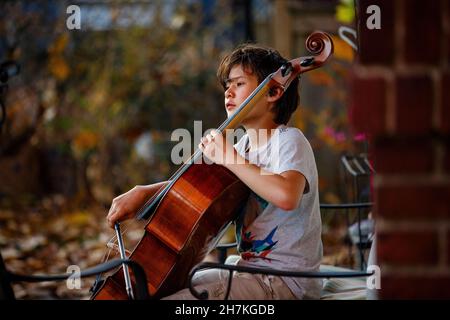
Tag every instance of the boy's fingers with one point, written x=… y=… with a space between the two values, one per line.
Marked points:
x=114 y=218
x=110 y=221
x=112 y=210
x=110 y=213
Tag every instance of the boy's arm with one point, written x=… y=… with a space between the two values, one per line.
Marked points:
x=127 y=204
x=282 y=190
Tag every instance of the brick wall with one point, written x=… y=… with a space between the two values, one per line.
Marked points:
x=401 y=98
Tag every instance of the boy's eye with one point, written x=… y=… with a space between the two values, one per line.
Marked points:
x=240 y=83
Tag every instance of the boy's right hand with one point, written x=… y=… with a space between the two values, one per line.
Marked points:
x=127 y=204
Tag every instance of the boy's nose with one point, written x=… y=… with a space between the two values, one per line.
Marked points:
x=228 y=92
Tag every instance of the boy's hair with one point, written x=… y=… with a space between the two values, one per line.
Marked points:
x=262 y=61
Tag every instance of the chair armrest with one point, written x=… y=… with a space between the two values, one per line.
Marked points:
x=138 y=271
x=226 y=246
x=356 y=205
x=231 y=268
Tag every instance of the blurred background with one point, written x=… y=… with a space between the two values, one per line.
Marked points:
x=90 y=112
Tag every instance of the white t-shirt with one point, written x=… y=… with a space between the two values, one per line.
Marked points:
x=271 y=237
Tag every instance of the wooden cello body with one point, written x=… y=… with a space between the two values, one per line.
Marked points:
x=189 y=215
x=186 y=226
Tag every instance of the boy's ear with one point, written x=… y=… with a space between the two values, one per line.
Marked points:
x=274 y=94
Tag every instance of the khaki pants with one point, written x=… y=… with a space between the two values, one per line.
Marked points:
x=245 y=286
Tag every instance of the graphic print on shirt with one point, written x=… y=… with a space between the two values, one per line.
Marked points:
x=255 y=248
x=251 y=245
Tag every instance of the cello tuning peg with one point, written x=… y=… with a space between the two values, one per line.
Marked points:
x=307 y=62
x=286 y=68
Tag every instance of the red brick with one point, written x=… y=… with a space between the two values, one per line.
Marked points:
x=417 y=151
x=414 y=104
x=448 y=46
x=368 y=105
x=376 y=46
x=447 y=156
x=445 y=103
x=408 y=248
x=408 y=287
x=447 y=18
x=448 y=249
x=412 y=202
x=424 y=31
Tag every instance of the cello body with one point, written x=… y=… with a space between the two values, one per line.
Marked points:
x=186 y=225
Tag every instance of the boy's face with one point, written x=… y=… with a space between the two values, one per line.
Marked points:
x=239 y=85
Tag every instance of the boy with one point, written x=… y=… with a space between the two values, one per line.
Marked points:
x=280 y=226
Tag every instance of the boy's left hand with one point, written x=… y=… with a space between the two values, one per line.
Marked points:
x=217 y=148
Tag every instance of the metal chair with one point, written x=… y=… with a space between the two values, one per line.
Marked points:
x=359 y=170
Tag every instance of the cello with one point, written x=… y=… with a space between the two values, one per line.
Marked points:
x=186 y=218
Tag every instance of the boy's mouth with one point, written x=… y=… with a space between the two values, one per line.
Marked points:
x=230 y=106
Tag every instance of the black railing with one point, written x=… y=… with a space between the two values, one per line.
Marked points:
x=298 y=274
x=7 y=277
